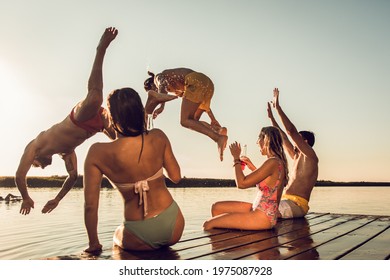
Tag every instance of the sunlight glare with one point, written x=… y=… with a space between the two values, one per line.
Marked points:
x=16 y=99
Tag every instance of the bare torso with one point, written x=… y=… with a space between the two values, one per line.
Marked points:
x=61 y=138
x=303 y=176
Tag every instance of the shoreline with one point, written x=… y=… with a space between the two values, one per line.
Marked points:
x=56 y=182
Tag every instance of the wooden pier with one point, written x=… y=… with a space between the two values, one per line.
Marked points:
x=319 y=236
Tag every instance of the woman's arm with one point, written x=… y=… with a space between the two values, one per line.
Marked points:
x=248 y=163
x=92 y=182
x=170 y=163
x=242 y=181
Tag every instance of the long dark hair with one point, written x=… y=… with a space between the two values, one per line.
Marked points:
x=309 y=136
x=127 y=113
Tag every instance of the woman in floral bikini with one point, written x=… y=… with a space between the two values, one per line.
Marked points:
x=270 y=179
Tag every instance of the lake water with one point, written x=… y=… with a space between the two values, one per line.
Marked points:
x=62 y=232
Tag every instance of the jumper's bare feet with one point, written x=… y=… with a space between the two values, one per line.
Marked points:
x=222 y=141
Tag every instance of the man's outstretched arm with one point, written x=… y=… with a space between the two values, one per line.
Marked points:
x=291 y=129
x=26 y=161
x=71 y=167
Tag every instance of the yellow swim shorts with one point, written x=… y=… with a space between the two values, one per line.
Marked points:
x=199 y=88
x=300 y=201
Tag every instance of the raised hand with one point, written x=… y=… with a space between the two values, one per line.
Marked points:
x=108 y=36
x=275 y=102
x=235 y=150
x=269 y=111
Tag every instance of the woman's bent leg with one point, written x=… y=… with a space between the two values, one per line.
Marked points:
x=178 y=230
x=222 y=207
x=128 y=241
x=253 y=220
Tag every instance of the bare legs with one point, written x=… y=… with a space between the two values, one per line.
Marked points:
x=236 y=215
x=155 y=98
x=215 y=127
x=187 y=119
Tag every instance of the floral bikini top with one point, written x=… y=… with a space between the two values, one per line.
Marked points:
x=267 y=198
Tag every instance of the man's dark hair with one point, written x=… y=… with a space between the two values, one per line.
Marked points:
x=309 y=136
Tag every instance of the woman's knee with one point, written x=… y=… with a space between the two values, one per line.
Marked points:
x=218 y=208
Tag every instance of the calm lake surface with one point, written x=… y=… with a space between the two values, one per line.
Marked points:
x=62 y=232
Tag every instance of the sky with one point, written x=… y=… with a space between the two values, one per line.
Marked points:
x=329 y=59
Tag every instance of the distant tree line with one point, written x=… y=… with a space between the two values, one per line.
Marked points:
x=56 y=182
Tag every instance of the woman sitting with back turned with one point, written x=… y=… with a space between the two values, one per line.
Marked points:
x=134 y=164
x=270 y=178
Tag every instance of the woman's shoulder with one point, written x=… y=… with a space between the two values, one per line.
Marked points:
x=156 y=132
x=100 y=146
x=273 y=161
x=97 y=152
x=158 y=136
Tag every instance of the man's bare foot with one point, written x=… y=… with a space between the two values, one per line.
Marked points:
x=222 y=141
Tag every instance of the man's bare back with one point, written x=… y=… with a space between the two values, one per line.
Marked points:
x=303 y=176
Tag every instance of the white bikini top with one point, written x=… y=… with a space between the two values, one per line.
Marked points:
x=140 y=188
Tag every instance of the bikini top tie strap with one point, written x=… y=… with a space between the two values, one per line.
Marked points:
x=141 y=187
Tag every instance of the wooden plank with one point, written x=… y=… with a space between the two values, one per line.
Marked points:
x=318 y=236
x=236 y=248
x=311 y=240
x=222 y=245
x=318 y=250
x=377 y=248
x=238 y=251
x=224 y=236
x=282 y=241
x=198 y=243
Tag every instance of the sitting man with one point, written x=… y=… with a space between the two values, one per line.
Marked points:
x=303 y=176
